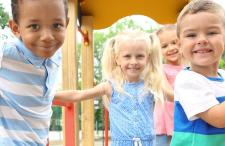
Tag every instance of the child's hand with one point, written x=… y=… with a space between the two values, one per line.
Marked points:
x=168 y=90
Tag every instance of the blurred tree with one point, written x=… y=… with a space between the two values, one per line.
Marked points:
x=222 y=62
x=4 y=17
x=56 y=119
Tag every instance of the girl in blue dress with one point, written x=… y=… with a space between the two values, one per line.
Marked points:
x=132 y=66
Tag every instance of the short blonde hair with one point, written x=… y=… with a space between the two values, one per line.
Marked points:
x=152 y=74
x=196 y=6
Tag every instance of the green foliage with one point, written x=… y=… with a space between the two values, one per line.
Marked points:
x=56 y=119
x=4 y=17
x=222 y=62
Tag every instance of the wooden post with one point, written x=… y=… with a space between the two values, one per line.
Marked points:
x=70 y=76
x=87 y=81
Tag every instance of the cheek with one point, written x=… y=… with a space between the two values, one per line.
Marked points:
x=60 y=36
x=27 y=37
x=163 y=52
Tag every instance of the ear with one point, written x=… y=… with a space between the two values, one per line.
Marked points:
x=67 y=21
x=14 y=27
x=117 y=59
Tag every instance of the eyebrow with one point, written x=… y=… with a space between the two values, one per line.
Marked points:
x=33 y=20
x=58 y=19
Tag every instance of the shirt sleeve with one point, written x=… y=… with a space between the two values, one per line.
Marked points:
x=1 y=53
x=195 y=93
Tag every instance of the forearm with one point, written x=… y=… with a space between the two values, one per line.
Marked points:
x=215 y=116
x=167 y=90
x=77 y=95
x=69 y=95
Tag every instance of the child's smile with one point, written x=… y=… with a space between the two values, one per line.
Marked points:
x=43 y=35
x=202 y=45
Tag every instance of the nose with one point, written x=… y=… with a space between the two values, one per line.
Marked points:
x=202 y=39
x=133 y=60
x=47 y=35
x=171 y=47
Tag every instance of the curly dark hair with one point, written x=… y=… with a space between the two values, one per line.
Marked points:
x=15 y=9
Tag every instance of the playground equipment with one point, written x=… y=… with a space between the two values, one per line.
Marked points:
x=91 y=15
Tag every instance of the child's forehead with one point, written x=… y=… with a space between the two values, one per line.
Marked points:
x=42 y=4
x=132 y=45
x=132 y=42
x=168 y=36
x=167 y=32
x=201 y=17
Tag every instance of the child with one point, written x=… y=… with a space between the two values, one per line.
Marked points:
x=199 y=118
x=28 y=70
x=132 y=66
x=163 y=112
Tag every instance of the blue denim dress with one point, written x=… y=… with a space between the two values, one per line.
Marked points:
x=131 y=116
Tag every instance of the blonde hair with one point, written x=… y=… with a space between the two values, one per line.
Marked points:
x=196 y=6
x=166 y=27
x=152 y=74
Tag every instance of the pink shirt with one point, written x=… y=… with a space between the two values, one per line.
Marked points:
x=163 y=113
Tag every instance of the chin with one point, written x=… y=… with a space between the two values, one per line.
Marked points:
x=46 y=55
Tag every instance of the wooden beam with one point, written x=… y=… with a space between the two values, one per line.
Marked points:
x=71 y=134
x=87 y=81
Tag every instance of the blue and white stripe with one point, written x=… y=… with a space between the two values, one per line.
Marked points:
x=27 y=86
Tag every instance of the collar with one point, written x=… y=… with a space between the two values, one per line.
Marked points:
x=36 y=60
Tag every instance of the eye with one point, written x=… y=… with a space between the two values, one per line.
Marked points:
x=34 y=27
x=164 y=46
x=212 y=33
x=126 y=56
x=140 y=56
x=57 y=26
x=190 y=35
x=174 y=42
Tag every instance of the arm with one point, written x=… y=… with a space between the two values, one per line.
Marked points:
x=215 y=116
x=77 y=95
x=197 y=97
x=168 y=90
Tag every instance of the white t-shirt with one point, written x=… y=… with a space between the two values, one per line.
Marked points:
x=197 y=93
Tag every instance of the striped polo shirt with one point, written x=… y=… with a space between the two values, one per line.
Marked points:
x=194 y=94
x=27 y=87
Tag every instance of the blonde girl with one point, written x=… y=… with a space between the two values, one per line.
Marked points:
x=173 y=64
x=132 y=68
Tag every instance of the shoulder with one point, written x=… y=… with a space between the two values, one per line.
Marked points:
x=7 y=48
x=188 y=76
x=190 y=83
